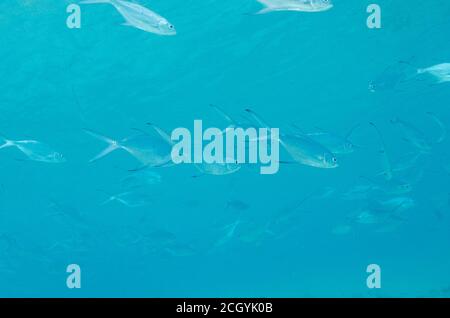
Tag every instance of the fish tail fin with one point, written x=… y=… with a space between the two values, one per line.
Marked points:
x=421 y=71
x=257 y=118
x=112 y=145
x=109 y=199
x=222 y=113
x=264 y=11
x=6 y=142
x=161 y=132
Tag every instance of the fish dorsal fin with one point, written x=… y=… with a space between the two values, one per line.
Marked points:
x=161 y=132
x=223 y=114
x=350 y=132
x=257 y=118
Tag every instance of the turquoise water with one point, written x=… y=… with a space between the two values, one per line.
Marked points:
x=312 y=69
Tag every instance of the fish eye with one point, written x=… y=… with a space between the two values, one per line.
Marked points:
x=170 y=26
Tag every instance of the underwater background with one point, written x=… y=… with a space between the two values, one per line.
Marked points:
x=298 y=233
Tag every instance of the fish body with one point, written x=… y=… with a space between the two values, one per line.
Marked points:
x=440 y=71
x=35 y=150
x=150 y=150
x=295 y=5
x=392 y=205
x=131 y=199
x=178 y=249
x=392 y=186
x=218 y=169
x=392 y=77
x=141 y=178
x=139 y=17
x=303 y=149
x=413 y=135
x=306 y=151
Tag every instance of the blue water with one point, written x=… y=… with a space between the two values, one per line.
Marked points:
x=312 y=69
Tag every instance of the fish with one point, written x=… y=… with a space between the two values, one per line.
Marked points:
x=217 y=169
x=229 y=233
x=149 y=150
x=391 y=77
x=338 y=145
x=139 y=17
x=35 y=150
x=418 y=138
x=439 y=71
x=391 y=186
x=289 y=217
x=295 y=5
x=254 y=233
x=179 y=249
x=405 y=162
x=396 y=204
x=131 y=199
x=67 y=211
x=386 y=162
x=141 y=178
x=383 y=211
x=302 y=148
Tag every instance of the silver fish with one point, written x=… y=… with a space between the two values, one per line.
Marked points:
x=217 y=169
x=227 y=167
x=150 y=150
x=131 y=199
x=228 y=233
x=392 y=186
x=139 y=17
x=295 y=5
x=35 y=150
x=178 y=249
x=418 y=138
x=440 y=71
x=392 y=77
x=254 y=233
x=67 y=211
x=140 y=179
x=302 y=148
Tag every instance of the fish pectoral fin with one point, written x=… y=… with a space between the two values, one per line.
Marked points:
x=264 y=10
x=286 y=162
